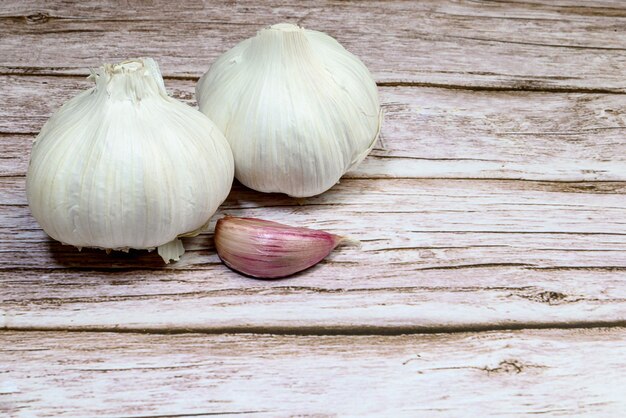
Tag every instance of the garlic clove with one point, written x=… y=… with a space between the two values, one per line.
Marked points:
x=270 y=250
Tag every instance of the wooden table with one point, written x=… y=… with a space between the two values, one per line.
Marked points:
x=492 y=276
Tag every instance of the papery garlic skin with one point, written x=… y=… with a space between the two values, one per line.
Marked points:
x=123 y=165
x=297 y=109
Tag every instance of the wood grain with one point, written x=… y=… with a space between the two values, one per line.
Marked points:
x=494 y=201
x=528 y=218
x=480 y=298
x=427 y=222
x=549 y=372
x=438 y=255
x=427 y=132
x=497 y=45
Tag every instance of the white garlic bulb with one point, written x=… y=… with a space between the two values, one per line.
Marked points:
x=123 y=165
x=297 y=109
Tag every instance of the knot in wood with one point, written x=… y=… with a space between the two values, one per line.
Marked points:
x=506 y=366
x=550 y=297
x=37 y=18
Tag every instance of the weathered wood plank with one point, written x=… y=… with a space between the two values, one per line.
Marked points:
x=436 y=254
x=539 y=45
x=333 y=299
x=467 y=222
x=427 y=132
x=549 y=372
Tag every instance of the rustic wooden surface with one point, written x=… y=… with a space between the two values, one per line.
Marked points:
x=548 y=372
x=494 y=201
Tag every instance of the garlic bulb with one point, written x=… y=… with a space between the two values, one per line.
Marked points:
x=297 y=109
x=122 y=165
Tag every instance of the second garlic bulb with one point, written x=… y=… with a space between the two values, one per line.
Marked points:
x=297 y=109
x=123 y=165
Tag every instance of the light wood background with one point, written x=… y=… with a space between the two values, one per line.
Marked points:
x=492 y=276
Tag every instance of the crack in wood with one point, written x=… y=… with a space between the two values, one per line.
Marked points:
x=199 y=414
x=504 y=367
x=270 y=291
x=519 y=232
x=506 y=41
x=196 y=265
x=516 y=86
x=331 y=330
x=549 y=297
x=583 y=10
x=582 y=185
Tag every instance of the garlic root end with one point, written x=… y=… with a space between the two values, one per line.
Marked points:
x=171 y=251
x=348 y=242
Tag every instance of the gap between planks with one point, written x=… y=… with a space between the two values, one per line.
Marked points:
x=331 y=330
x=37 y=72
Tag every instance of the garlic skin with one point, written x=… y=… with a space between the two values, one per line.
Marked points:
x=297 y=109
x=270 y=250
x=123 y=165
